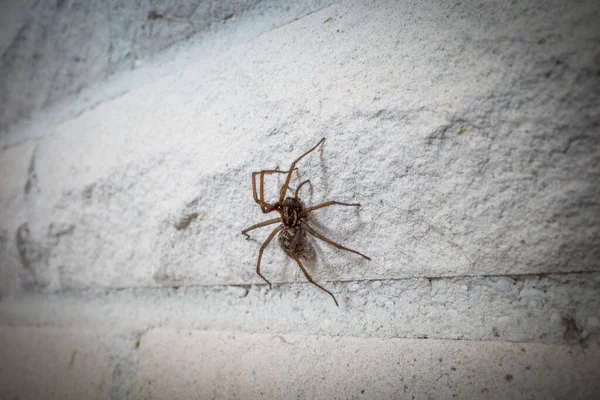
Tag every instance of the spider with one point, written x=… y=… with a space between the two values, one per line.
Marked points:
x=292 y=220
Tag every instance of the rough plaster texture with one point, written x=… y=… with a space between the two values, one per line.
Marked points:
x=469 y=133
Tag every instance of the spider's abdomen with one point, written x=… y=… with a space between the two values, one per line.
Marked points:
x=290 y=241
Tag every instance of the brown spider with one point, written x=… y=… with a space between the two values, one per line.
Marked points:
x=293 y=220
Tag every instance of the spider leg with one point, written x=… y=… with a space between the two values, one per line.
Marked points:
x=293 y=166
x=329 y=203
x=262 y=248
x=295 y=191
x=331 y=242
x=298 y=189
x=260 y=201
x=260 y=225
x=310 y=279
x=264 y=206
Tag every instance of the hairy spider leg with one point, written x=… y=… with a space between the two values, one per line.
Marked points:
x=260 y=225
x=329 y=203
x=292 y=167
x=331 y=242
x=262 y=248
x=310 y=279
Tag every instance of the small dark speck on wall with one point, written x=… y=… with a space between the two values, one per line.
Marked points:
x=185 y=221
x=154 y=15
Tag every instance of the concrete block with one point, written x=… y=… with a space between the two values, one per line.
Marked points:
x=468 y=139
x=227 y=365
x=48 y=363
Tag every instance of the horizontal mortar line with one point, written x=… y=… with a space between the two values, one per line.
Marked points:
x=249 y=285
x=297 y=335
x=431 y=278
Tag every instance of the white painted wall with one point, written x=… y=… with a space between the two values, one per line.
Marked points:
x=468 y=132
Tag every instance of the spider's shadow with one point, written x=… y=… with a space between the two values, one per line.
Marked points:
x=308 y=258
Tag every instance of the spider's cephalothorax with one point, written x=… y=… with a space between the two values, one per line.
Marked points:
x=292 y=210
x=292 y=220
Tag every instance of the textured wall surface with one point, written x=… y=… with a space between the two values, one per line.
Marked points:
x=52 y=49
x=470 y=134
